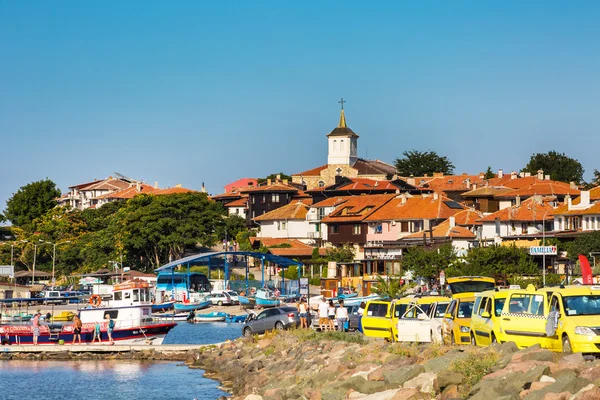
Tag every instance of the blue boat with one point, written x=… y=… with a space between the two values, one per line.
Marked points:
x=347 y=295
x=210 y=317
x=266 y=298
x=355 y=301
x=192 y=306
x=162 y=307
x=236 y=318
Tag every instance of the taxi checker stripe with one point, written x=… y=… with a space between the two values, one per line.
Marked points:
x=533 y=316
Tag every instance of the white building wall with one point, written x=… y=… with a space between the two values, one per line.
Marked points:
x=292 y=229
x=241 y=211
x=502 y=204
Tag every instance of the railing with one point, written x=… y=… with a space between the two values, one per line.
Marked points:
x=314 y=235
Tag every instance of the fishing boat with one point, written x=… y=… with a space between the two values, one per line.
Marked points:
x=63 y=316
x=181 y=316
x=199 y=305
x=210 y=317
x=162 y=307
x=247 y=301
x=129 y=307
x=266 y=298
x=236 y=318
x=355 y=301
x=347 y=295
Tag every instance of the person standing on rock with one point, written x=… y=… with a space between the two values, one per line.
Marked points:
x=323 y=318
x=77 y=325
x=341 y=313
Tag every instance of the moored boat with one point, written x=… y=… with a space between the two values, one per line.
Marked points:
x=162 y=307
x=192 y=306
x=210 y=317
x=180 y=316
x=266 y=298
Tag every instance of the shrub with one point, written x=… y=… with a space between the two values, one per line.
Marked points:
x=475 y=366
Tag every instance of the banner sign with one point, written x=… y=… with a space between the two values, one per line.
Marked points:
x=541 y=250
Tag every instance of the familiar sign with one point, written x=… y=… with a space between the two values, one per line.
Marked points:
x=541 y=250
x=303 y=285
x=7 y=270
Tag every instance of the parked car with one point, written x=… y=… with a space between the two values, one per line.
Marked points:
x=486 y=320
x=273 y=318
x=233 y=296
x=219 y=299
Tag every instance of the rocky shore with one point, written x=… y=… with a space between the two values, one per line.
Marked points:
x=334 y=366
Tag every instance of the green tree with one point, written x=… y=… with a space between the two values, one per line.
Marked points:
x=584 y=244
x=559 y=166
x=230 y=227
x=429 y=263
x=419 y=163
x=388 y=288
x=272 y=177
x=243 y=239
x=31 y=201
x=341 y=254
x=489 y=174
x=496 y=260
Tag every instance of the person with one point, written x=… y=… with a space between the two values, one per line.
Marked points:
x=97 y=333
x=76 y=329
x=341 y=314
x=48 y=317
x=110 y=328
x=191 y=316
x=361 y=309
x=36 y=327
x=303 y=314
x=323 y=319
x=331 y=315
x=6 y=340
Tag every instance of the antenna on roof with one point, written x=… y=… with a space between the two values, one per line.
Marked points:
x=123 y=177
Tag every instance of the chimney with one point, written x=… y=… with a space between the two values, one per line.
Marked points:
x=540 y=174
x=518 y=200
x=482 y=175
x=138 y=187
x=584 y=200
x=474 y=186
x=424 y=175
x=203 y=188
x=269 y=182
x=547 y=177
x=278 y=177
x=568 y=201
x=521 y=174
x=285 y=181
x=452 y=221
x=435 y=195
x=500 y=173
x=468 y=183
x=573 y=185
x=397 y=191
x=513 y=175
x=527 y=174
x=178 y=185
x=155 y=184
x=403 y=198
x=438 y=174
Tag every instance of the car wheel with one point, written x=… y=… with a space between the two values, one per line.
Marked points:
x=494 y=340
x=566 y=345
x=247 y=331
x=473 y=340
x=279 y=325
x=219 y=303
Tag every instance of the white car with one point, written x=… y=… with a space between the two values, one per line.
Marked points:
x=219 y=299
x=233 y=296
x=422 y=324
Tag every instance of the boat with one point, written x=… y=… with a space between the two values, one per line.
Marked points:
x=180 y=316
x=210 y=317
x=129 y=307
x=64 y=316
x=236 y=318
x=199 y=305
x=247 y=301
x=162 y=307
x=19 y=317
x=347 y=295
x=266 y=298
x=355 y=301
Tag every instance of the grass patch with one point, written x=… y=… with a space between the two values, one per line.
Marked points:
x=404 y=349
x=311 y=335
x=474 y=367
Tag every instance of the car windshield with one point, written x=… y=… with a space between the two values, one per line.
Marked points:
x=465 y=309
x=232 y=293
x=441 y=310
x=470 y=286
x=582 y=305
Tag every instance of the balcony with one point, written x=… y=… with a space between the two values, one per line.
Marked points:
x=314 y=235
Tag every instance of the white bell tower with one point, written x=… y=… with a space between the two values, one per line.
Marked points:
x=342 y=143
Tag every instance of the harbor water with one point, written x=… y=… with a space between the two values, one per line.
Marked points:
x=118 y=379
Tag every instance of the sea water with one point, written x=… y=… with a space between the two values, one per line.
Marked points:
x=118 y=379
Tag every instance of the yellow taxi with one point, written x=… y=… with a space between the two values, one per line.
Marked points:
x=456 y=325
x=381 y=317
x=422 y=320
x=564 y=319
x=487 y=317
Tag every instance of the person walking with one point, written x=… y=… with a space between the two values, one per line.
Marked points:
x=97 y=333
x=341 y=313
x=110 y=328
x=323 y=319
x=331 y=315
x=77 y=325
x=36 y=327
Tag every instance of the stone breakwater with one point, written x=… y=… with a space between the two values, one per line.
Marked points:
x=309 y=365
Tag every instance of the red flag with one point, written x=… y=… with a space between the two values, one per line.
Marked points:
x=586 y=271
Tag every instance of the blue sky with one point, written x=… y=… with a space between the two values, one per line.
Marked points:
x=190 y=92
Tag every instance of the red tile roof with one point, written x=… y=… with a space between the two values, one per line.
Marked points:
x=451 y=183
x=418 y=207
x=109 y=184
x=358 y=208
x=487 y=191
x=129 y=192
x=443 y=230
x=242 y=202
x=293 y=210
x=468 y=217
x=531 y=209
x=290 y=252
x=268 y=242
x=331 y=202
x=313 y=172
x=174 y=190
x=593 y=209
x=595 y=193
x=544 y=188
x=275 y=187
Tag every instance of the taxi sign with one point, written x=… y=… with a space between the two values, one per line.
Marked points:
x=541 y=250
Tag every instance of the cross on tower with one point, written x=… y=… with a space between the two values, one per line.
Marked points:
x=342 y=101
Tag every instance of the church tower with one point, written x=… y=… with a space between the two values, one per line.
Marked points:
x=342 y=143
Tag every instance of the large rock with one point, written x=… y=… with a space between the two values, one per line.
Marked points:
x=443 y=363
x=410 y=394
x=450 y=392
x=380 y=373
x=535 y=355
x=339 y=390
x=494 y=389
x=424 y=382
x=447 y=378
x=591 y=374
x=571 y=361
x=403 y=374
x=563 y=384
x=253 y=397
x=590 y=392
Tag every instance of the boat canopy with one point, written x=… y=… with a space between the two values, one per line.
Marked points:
x=203 y=258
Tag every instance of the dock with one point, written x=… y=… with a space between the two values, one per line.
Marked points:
x=101 y=348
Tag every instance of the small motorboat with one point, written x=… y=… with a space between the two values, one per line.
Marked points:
x=210 y=317
x=236 y=318
x=64 y=316
x=162 y=307
x=180 y=316
x=266 y=298
x=179 y=307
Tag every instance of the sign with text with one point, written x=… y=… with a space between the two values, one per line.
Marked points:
x=541 y=250
x=303 y=285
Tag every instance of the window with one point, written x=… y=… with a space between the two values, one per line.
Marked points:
x=321 y=183
x=275 y=197
x=118 y=295
x=399 y=310
x=341 y=145
x=376 y=310
x=498 y=306
x=417 y=226
x=452 y=308
x=497 y=227
x=587 y=223
x=356 y=229
x=378 y=228
x=317 y=227
x=136 y=295
x=335 y=145
x=465 y=309
x=283 y=226
x=127 y=295
x=253 y=199
x=335 y=229
x=524 y=229
x=237 y=210
x=404 y=226
x=526 y=304
x=113 y=313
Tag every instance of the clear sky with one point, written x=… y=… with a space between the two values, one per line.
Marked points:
x=197 y=91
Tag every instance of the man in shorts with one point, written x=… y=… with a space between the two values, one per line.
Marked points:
x=323 y=317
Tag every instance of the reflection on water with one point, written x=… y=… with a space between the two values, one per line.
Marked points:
x=203 y=333
x=110 y=379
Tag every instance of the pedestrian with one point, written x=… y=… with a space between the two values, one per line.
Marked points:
x=303 y=314
x=341 y=313
x=331 y=315
x=361 y=309
x=323 y=319
x=97 y=333
x=110 y=328
x=36 y=327
x=77 y=325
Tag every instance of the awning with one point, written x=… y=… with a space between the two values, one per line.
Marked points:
x=203 y=258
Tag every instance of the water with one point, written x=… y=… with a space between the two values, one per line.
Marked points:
x=118 y=380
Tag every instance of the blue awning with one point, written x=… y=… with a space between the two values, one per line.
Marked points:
x=202 y=258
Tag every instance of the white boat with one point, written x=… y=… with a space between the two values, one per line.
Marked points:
x=210 y=317
x=180 y=316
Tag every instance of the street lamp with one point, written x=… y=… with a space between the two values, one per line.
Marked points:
x=54 y=256
x=544 y=248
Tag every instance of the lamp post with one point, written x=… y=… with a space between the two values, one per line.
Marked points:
x=544 y=248
x=35 y=245
x=54 y=256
